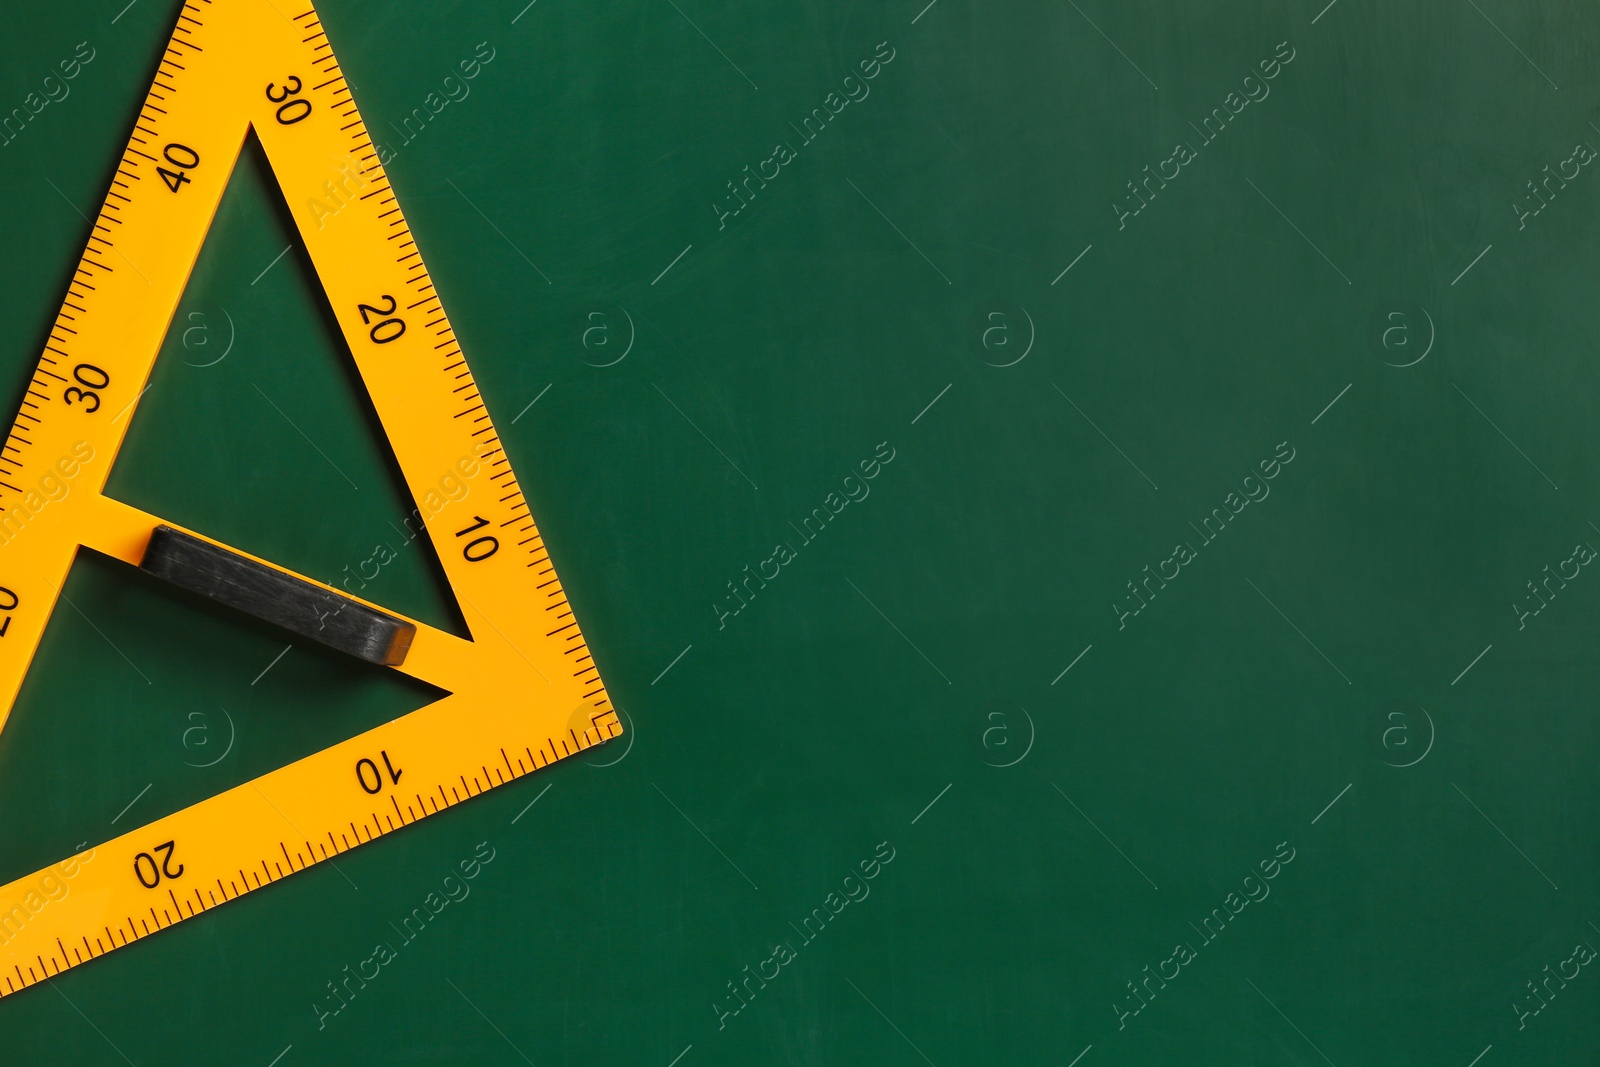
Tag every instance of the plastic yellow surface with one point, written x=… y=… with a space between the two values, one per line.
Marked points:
x=522 y=692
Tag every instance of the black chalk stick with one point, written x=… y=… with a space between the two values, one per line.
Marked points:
x=273 y=596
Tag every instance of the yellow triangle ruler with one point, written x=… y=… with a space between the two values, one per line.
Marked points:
x=522 y=692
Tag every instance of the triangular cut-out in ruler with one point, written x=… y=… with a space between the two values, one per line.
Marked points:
x=523 y=692
x=229 y=376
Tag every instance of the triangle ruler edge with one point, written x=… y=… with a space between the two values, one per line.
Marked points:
x=522 y=693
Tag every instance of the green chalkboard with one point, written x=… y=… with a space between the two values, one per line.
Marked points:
x=1085 y=508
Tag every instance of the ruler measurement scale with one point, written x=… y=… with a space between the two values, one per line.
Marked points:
x=522 y=693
